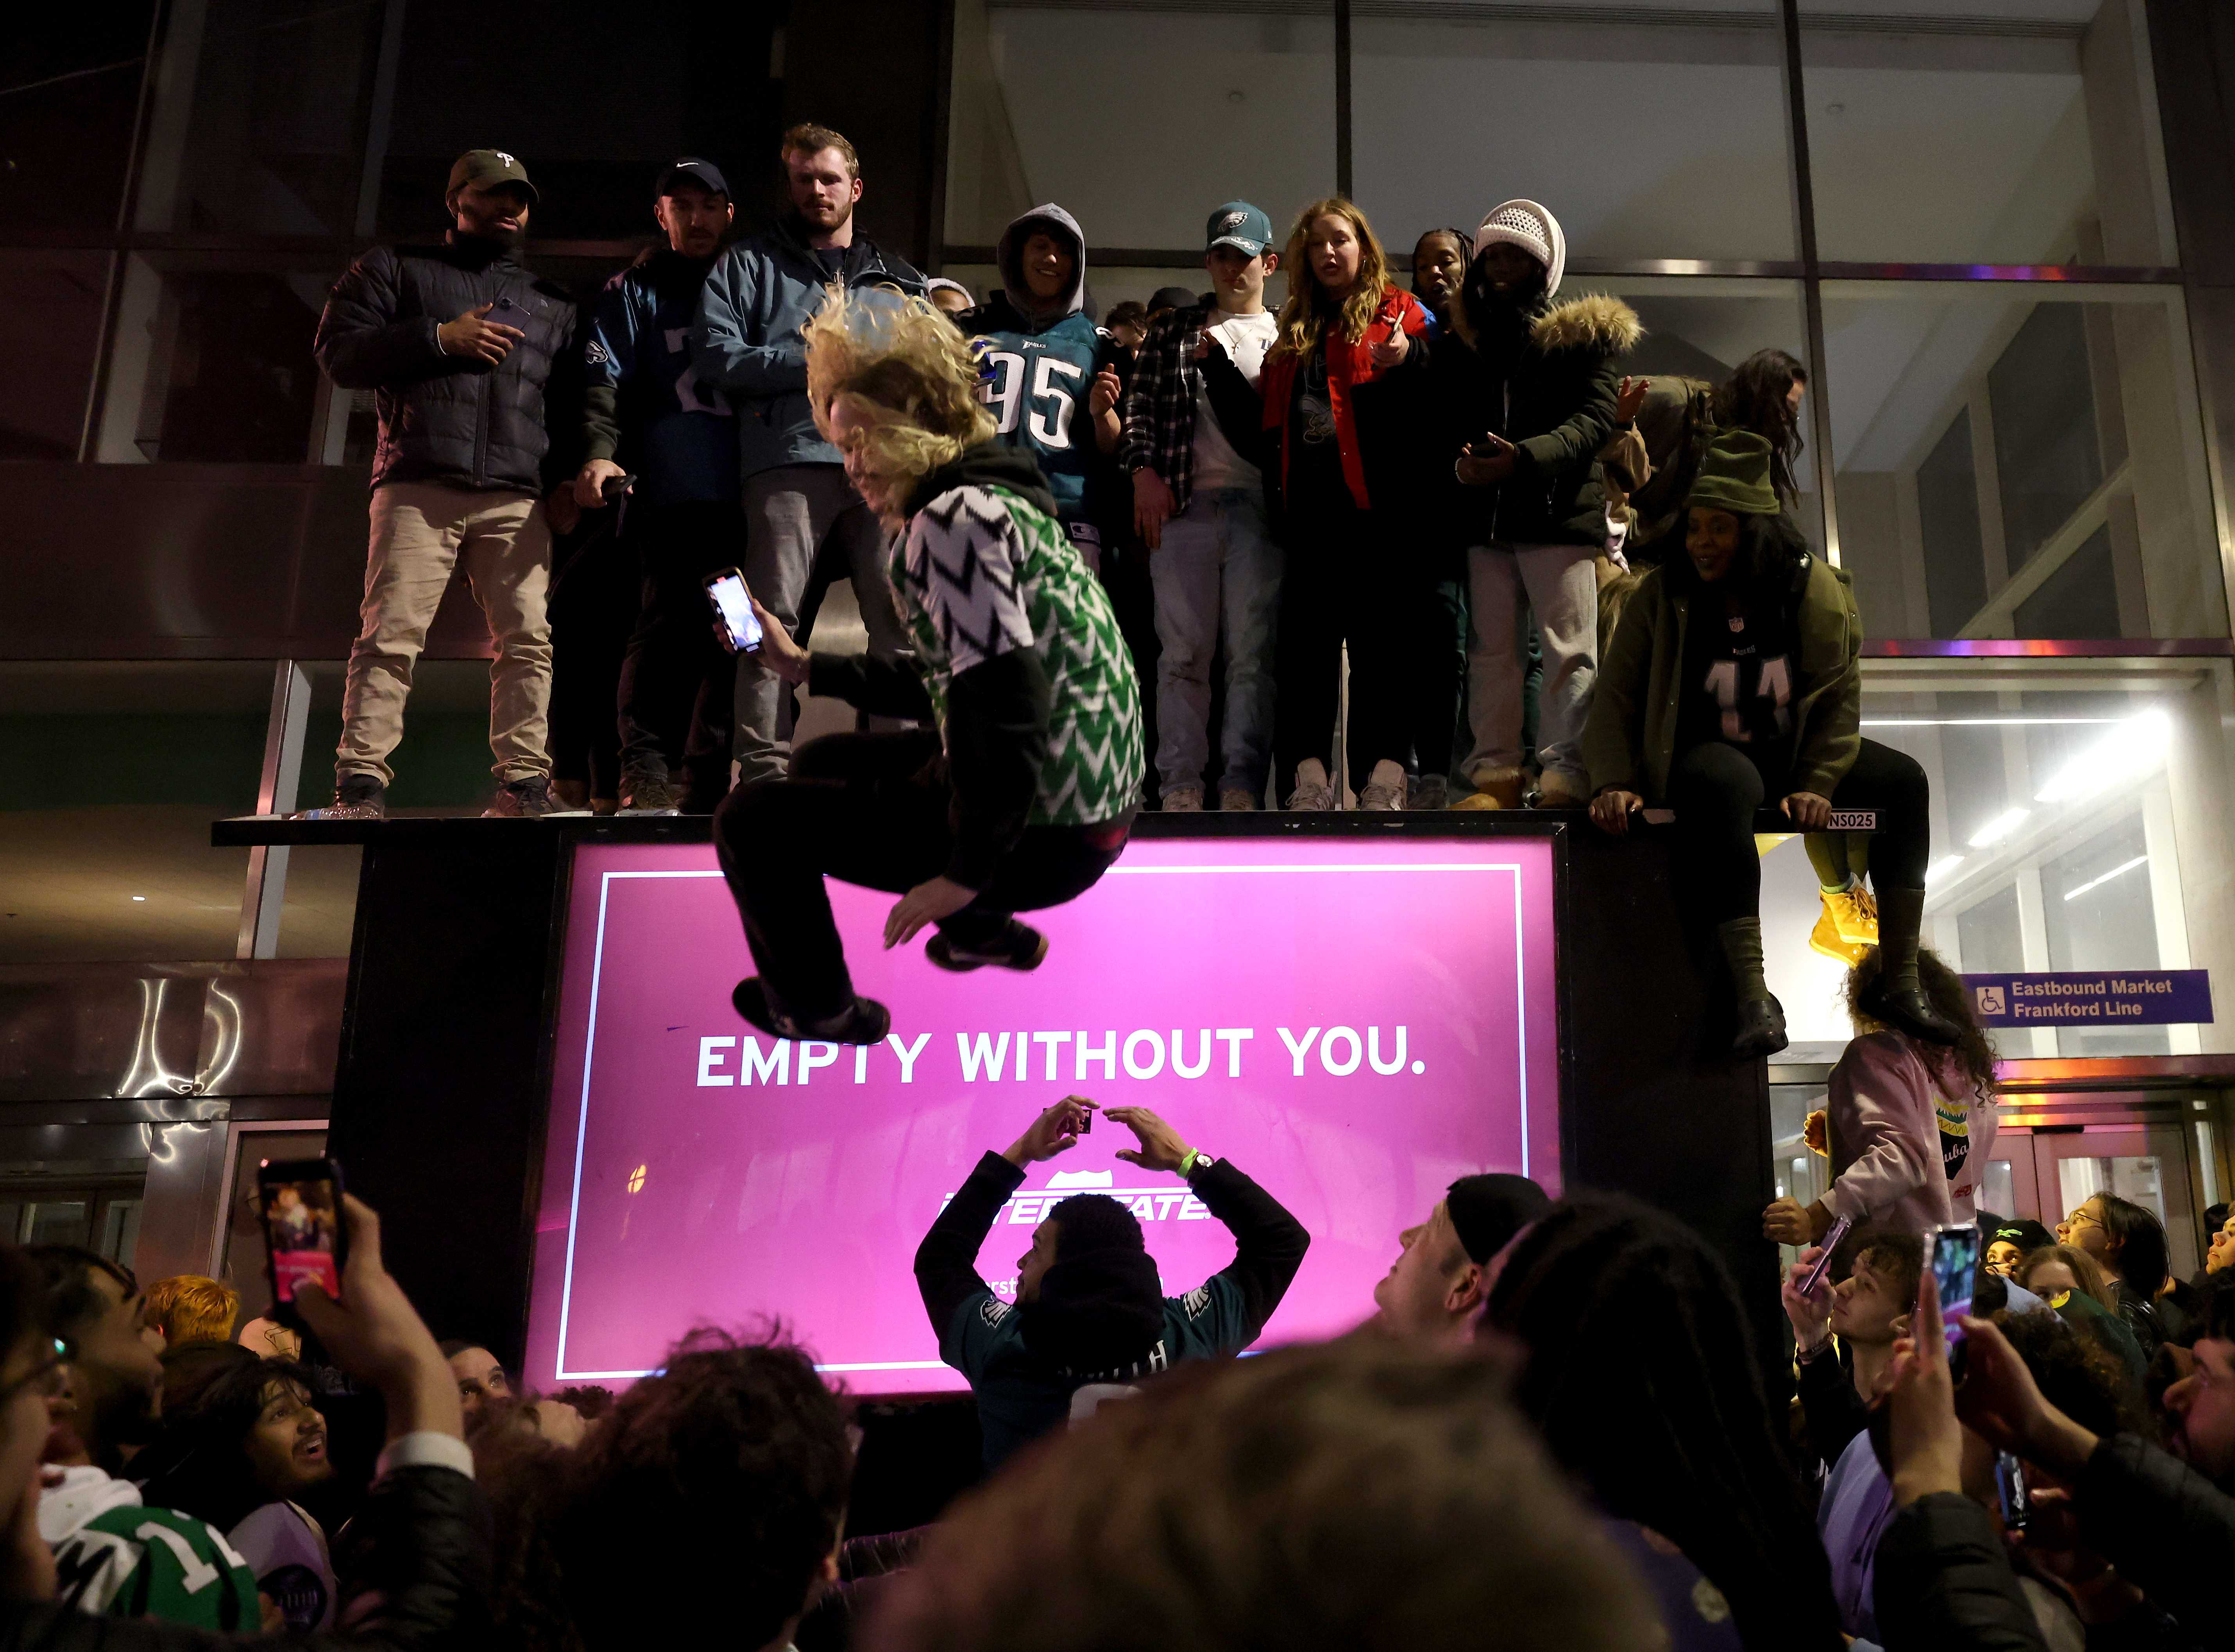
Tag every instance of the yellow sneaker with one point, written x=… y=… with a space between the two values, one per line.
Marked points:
x=1856 y=916
x=1494 y=789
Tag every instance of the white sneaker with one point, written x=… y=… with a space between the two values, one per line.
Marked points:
x=1312 y=789
x=1183 y=800
x=1384 y=788
x=1235 y=800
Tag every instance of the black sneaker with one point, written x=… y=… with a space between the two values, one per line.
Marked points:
x=642 y=795
x=1761 y=1027
x=528 y=799
x=866 y=1023
x=356 y=798
x=1019 y=946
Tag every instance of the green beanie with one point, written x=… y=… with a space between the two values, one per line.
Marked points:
x=1735 y=475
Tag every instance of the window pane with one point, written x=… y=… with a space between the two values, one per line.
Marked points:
x=2072 y=830
x=215 y=365
x=1137 y=122
x=2027 y=138
x=50 y=332
x=67 y=136
x=271 y=96
x=1658 y=136
x=2020 y=462
x=56 y=1221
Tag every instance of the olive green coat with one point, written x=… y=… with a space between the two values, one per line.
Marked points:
x=1630 y=739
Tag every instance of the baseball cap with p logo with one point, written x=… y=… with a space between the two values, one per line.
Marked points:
x=1240 y=225
x=486 y=169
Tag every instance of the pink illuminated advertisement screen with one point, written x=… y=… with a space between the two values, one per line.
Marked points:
x=1352 y=1023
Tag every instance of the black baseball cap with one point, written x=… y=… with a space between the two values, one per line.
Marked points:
x=1172 y=298
x=690 y=169
x=1488 y=1210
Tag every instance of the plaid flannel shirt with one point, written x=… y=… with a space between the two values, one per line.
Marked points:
x=1158 y=428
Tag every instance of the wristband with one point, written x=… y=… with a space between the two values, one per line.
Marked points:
x=1809 y=1355
x=1189 y=1162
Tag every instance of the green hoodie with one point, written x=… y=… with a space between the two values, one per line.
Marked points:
x=1630 y=740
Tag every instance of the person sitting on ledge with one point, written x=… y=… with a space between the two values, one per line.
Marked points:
x=1090 y=1307
x=1019 y=794
x=1710 y=720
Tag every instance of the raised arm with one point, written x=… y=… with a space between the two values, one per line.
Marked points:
x=1233 y=1305
x=946 y=1260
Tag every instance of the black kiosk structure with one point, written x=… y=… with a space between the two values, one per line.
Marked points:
x=443 y=1098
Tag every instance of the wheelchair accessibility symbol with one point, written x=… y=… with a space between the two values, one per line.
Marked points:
x=1990 y=1000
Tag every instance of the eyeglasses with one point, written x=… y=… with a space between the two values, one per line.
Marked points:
x=2080 y=1217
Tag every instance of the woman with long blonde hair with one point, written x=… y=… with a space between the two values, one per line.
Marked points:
x=1323 y=406
x=1021 y=793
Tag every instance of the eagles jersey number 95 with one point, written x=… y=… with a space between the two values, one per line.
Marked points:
x=1046 y=407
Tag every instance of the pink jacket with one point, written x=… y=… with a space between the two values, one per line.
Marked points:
x=1909 y=1139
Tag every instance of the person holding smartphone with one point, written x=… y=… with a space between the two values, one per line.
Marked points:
x=458 y=344
x=1021 y=793
x=1089 y=1305
x=1908 y=1123
x=1527 y=381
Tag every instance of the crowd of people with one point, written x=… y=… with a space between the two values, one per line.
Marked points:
x=1554 y=1428
x=1401 y=549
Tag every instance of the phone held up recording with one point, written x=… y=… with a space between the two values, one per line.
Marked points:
x=305 y=1240
x=1953 y=1256
x=739 y=626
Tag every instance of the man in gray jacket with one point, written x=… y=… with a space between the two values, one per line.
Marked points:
x=804 y=523
x=457 y=343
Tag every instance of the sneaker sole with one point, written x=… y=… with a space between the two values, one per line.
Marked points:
x=633 y=813
x=946 y=958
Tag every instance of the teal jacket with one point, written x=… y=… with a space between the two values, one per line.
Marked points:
x=747 y=341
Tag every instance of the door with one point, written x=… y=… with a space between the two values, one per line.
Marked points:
x=2145 y=1163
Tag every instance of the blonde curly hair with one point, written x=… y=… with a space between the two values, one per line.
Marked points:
x=899 y=366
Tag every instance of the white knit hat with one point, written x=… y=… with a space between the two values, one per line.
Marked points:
x=1535 y=231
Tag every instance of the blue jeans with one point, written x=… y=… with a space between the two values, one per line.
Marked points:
x=1218 y=565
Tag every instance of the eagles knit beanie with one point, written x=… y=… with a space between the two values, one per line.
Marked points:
x=1534 y=229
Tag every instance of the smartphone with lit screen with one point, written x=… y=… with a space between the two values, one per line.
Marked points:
x=1954 y=1259
x=305 y=1239
x=733 y=611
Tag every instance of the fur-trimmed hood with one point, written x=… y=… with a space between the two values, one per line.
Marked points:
x=1594 y=321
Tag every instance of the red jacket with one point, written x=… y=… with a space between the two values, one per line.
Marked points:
x=1348 y=366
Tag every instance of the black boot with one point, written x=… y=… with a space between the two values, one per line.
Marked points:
x=1761 y=1028
x=1901 y=999
x=865 y=1022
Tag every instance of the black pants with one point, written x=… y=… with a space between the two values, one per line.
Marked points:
x=593 y=602
x=677 y=681
x=873 y=809
x=1438 y=696
x=1327 y=598
x=1715 y=789
x=1125 y=575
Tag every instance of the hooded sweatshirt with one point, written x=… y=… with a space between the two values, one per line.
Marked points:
x=1037 y=369
x=1909 y=1137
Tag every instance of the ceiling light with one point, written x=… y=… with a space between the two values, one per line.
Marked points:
x=2073 y=895
x=139 y=897
x=2129 y=751
x=1941 y=868
x=1999 y=828
x=1979 y=722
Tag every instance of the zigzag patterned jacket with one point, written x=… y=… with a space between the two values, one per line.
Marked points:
x=1018 y=654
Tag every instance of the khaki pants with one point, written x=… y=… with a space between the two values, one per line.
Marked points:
x=420 y=531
